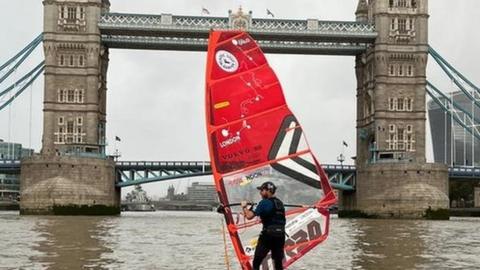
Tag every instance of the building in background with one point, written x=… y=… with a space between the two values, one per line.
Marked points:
x=202 y=193
x=199 y=197
x=452 y=144
x=10 y=183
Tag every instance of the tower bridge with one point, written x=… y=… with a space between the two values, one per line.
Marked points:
x=389 y=40
x=190 y=33
x=129 y=173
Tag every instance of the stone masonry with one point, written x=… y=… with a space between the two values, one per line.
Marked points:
x=57 y=181
x=75 y=77
x=393 y=178
x=72 y=171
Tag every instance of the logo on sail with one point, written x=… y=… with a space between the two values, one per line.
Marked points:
x=226 y=61
x=230 y=141
x=240 y=41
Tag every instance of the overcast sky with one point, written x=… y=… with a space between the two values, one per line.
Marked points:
x=156 y=98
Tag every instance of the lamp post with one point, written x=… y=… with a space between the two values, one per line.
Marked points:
x=341 y=159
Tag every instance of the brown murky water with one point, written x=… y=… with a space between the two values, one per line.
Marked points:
x=193 y=240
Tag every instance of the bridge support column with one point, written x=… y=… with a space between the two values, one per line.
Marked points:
x=68 y=186
x=72 y=175
x=393 y=178
x=477 y=197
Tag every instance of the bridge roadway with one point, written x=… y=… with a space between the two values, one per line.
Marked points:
x=140 y=172
x=190 y=33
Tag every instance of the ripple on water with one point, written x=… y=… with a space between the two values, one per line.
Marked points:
x=193 y=240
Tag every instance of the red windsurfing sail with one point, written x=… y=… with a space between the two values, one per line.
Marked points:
x=254 y=137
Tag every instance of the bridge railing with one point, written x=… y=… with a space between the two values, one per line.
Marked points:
x=10 y=161
x=190 y=33
x=339 y=167
x=464 y=172
x=111 y=23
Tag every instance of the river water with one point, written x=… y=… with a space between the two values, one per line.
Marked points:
x=193 y=240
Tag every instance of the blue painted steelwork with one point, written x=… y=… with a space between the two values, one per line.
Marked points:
x=454 y=110
x=341 y=177
x=457 y=78
x=140 y=172
x=443 y=63
x=20 y=57
x=464 y=173
x=134 y=173
x=190 y=33
x=10 y=166
x=23 y=83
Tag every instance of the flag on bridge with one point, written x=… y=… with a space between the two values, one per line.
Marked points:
x=270 y=13
x=205 y=11
x=117 y=139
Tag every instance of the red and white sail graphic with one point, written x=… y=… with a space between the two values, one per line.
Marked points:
x=254 y=137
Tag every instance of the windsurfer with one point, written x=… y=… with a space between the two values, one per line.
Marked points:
x=272 y=214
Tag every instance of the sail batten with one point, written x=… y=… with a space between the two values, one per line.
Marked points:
x=254 y=137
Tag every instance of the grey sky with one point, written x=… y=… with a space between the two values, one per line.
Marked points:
x=156 y=98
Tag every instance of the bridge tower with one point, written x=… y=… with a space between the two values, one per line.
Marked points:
x=71 y=173
x=393 y=178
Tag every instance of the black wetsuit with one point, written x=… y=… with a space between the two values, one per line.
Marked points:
x=272 y=237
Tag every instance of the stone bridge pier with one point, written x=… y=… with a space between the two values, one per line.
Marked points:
x=72 y=174
x=393 y=178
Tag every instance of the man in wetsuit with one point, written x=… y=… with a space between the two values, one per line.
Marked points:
x=272 y=238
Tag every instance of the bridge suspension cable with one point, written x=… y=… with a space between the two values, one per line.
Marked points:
x=457 y=78
x=22 y=84
x=458 y=113
x=453 y=109
x=7 y=69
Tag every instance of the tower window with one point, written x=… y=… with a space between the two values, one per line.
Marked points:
x=410 y=142
x=400 y=70
x=391 y=128
x=391 y=69
x=62 y=60
x=71 y=60
x=79 y=121
x=71 y=96
x=82 y=13
x=81 y=95
x=80 y=60
x=409 y=104
x=392 y=141
x=71 y=13
x=409 y=70
x=70 y=127
x=390 y=104
x=390 y=3
x=402 y=25
x=60 y=120
x=62 y=12
x=402 y=3
x=75 y=96
x=400 y=104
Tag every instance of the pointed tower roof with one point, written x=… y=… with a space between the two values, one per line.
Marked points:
x=362 y=10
